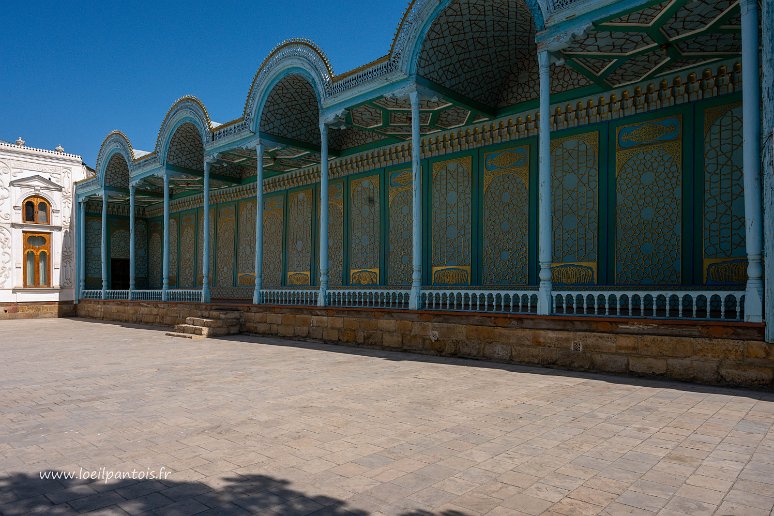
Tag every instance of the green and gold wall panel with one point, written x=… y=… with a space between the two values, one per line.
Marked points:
x=141 y=253
x=188 y=250
x=723 y=238
x=200 y=232
x=224 y=253
x=365 y=230
x=273 y=224
x=335 y=233
x=155 y=248
x=173 y=251
x=506 y=216
x=299 y=237
x=399 y=260
x=93 y=252
x=451 y=227
x=575 y=204
x=648 y=192
x=246 y=244
x=119 y=239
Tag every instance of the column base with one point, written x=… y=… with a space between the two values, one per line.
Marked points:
x=544 y=305
x=257 y=297
x=415 y=297
x=753 y=303
x=322 y=297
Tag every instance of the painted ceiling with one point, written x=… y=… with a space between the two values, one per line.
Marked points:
x=660 y=38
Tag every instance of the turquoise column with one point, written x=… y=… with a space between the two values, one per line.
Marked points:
x=206 y=231
x=165 y=254
x=751 y=120
x=132 y=262
x=81 y=247
x=257 y=298
x=545 y=251
x=321 y=300
x=767 y=65
x=104 y=251
x=416 y=206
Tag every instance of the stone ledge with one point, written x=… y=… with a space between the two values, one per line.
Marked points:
x=698 y=351
x=36 y=310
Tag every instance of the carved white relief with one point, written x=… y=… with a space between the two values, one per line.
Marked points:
x=5 y=193
x=67 y=199
x=6 y=267
x=66 y=273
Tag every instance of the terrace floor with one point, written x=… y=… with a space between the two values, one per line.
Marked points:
x=257 y=425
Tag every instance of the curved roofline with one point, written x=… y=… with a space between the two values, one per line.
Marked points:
x=115 y=142
x=293 y=56
x=186 y=109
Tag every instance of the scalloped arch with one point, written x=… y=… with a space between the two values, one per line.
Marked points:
x=417 y=20
x=114 y=143
x=188 y=109
x=296 y=56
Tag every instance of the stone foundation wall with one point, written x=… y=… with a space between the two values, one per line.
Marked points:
x=38 y=310
x=704 y=352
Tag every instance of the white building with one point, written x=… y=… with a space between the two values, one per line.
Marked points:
x=37 y=243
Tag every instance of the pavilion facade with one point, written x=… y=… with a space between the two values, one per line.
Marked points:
x=569 y=157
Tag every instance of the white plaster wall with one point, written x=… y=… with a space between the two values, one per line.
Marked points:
x=22 y=165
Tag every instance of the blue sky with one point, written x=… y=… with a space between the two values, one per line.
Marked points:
x=70 y=72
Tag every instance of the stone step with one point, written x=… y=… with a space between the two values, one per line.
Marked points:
x=184 y=335
x=209 y=323
x=206 y=331
x=224 y=315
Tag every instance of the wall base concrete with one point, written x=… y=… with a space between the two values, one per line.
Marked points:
x=711 y=352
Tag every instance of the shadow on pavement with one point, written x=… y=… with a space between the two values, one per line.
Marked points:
x=21 y=493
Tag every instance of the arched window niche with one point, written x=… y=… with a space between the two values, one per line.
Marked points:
x=36 y=210
x=37 y=260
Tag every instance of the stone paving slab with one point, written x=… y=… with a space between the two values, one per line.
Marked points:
x=254 y=425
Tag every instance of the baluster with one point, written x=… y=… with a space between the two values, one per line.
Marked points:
x=722 y=307
x=695 y=303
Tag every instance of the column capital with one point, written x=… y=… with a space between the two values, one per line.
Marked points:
x=209 y=159
x=333 y=119
x=562 y=40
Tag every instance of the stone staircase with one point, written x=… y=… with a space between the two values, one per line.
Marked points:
x=216 y=323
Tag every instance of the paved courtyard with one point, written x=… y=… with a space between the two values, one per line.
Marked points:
x=253 y=425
